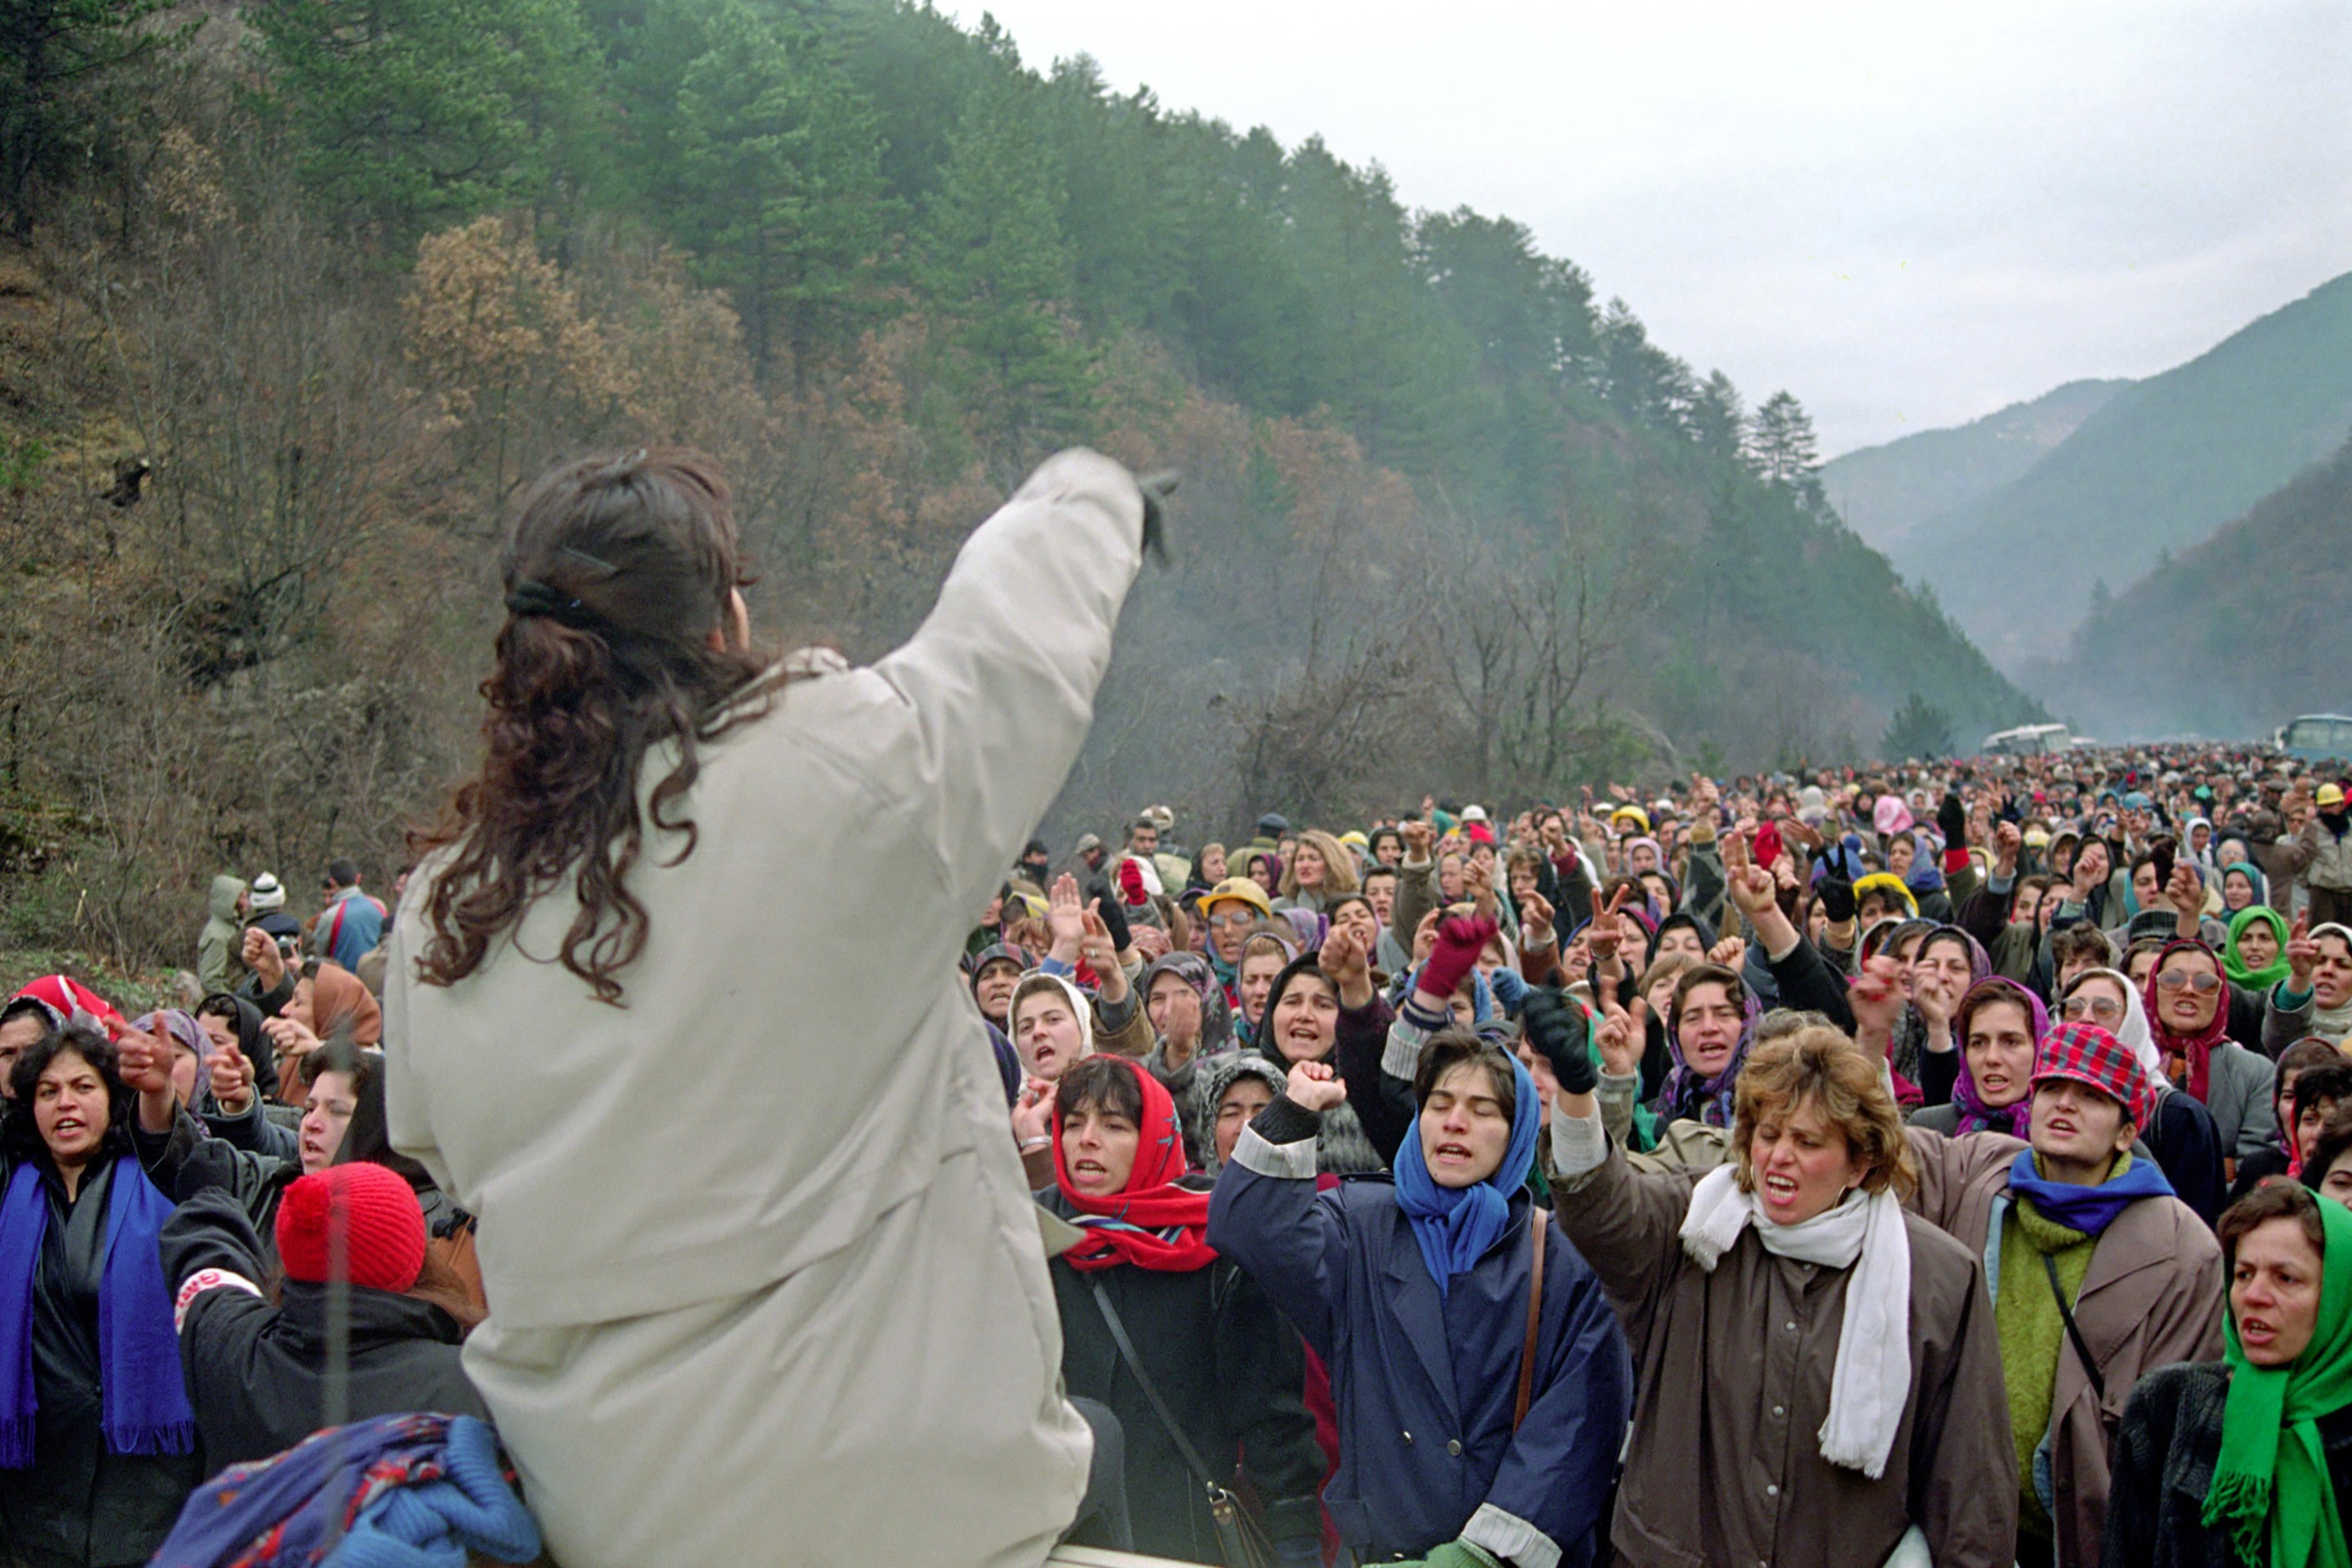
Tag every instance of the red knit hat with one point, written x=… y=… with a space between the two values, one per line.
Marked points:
x=61 y=997
x=2087 y=1053
x=381 y=1226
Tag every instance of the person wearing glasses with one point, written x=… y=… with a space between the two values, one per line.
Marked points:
x=2188 y=1005
x=2181 y=1133
x=1231 y=910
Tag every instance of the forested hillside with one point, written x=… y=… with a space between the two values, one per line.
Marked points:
x=1889 y=494
x=302 y=290
x=2261 y=614
x=2158 y=470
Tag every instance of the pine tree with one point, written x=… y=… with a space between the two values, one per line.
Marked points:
x=993 y=259
x=1781 y=444
x=418 y=113
x=1718 y=418
x=779 y=184
x=60 y=65
x=1918 y=729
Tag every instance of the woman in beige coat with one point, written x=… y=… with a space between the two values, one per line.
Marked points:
x=673 y=1008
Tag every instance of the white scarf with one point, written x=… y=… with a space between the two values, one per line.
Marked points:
x=1871 y=1383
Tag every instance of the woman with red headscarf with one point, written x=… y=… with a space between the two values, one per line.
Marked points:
x=1227 y=1369
x=2188 y=999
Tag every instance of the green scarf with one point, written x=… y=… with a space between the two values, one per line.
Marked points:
x=2270 y=1484
x=2235 y=967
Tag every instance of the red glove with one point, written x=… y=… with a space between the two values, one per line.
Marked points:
x=1460 y=940
x=1130 y=883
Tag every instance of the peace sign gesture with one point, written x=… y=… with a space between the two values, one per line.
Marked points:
x=1623 y=1035
x=1608 y=928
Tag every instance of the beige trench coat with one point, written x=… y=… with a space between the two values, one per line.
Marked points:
x=2152 y=1297
x=765 y=1283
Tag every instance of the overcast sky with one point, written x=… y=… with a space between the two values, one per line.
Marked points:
x=1908 y=214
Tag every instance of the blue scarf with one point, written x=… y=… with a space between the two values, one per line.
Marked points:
x=2087 y=1209
x=398 y=1489
x=1455 y=1225
x=143 y=1400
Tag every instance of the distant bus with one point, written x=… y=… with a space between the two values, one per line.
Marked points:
x=2028 y=740
x=2315 y=737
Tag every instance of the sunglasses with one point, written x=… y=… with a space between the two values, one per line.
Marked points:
x=2173 y=980
x=1223 y=922
x=2081 y=1007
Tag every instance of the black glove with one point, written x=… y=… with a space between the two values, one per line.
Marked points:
x=210 y=1165
x=1114 y=920
x=1952 y=822
x=1157 y=488
x=1556 y=1028
x=1837 y=899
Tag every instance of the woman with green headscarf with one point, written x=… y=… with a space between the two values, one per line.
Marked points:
x=2253 y=957
x=2247 y=1462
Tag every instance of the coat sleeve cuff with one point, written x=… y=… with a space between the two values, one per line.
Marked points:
x=1579 y=1144
x=1511 y=1538
x=1285 y=1161
x=1402 y=1054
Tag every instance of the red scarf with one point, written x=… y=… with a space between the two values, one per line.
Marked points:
x=1151 y=1222
x=2196 y=1050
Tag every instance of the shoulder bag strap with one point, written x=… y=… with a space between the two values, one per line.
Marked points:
x=1538 y=1222
x=1151 y=1389
x=2074 y=1332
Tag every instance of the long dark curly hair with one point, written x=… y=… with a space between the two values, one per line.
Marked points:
x=620 y=570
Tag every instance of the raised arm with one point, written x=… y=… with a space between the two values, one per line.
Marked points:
x=1265 y=1215
x=1002 y=674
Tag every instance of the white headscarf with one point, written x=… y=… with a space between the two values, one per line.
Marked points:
x=2133 y=1033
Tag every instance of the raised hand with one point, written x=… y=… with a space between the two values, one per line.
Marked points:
x=1555 y=1027
x=1066 y=918
x=1535 y=915
x=261 y=956
x=1876 y=995
x=2301 y=953
x=1751 y=886
x=232 y=1080
x=1608 y=928
x=1728 y=954
x=1032 y=1113
x=1460 y=940
x=2186 y=893
x=146 y=1059
x=293 y=1041
x=1313 y=1086
x=1416 y=840
x=1095 y=947
x=1345 y=963
x=1425 y=936
x=1624 y=1036
x=2006 y=842
x=1479 y=877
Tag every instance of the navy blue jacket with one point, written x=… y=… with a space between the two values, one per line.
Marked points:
x=1425 y=1388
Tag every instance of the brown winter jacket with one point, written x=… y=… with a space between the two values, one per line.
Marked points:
x=1733 y=1385
x=2152 y=1297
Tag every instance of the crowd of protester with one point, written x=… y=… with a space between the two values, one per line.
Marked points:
x=1926 y=1157
x=1937 y=1163
x=1932 y=1152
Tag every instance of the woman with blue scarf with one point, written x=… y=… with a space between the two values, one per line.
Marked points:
x=1415 y=1294
x=98 y=1444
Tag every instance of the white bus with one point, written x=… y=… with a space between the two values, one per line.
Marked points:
x=2315 y=737
x=2028 y=740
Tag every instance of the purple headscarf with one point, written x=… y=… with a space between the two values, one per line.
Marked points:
x=1708 y=1099
x=1976 y=1116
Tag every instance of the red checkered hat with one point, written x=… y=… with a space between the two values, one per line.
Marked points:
x=2089 y=1055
